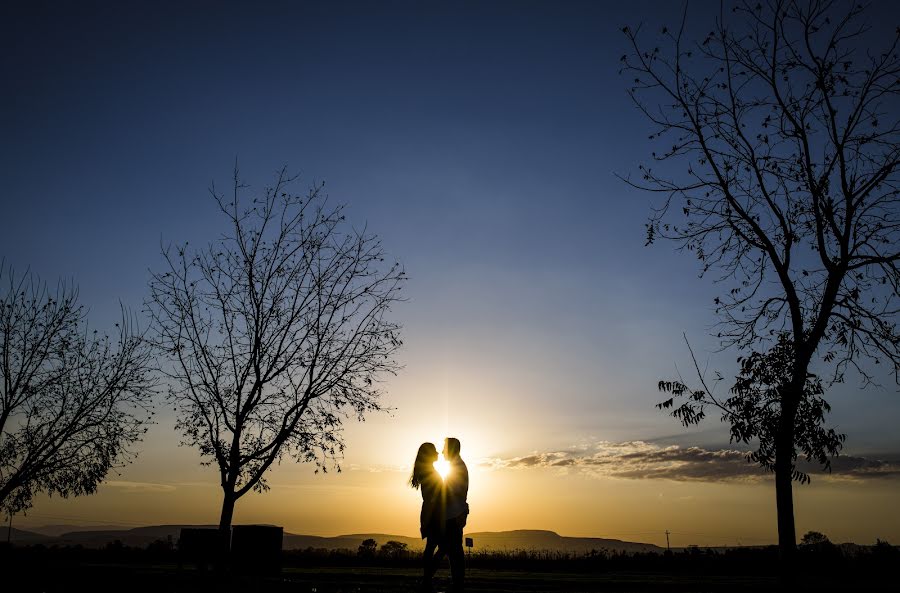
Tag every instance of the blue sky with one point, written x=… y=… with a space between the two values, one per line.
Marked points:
x=479 y=140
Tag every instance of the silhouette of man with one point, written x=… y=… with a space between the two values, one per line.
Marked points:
x=456 y=489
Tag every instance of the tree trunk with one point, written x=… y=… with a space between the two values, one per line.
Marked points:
x=784 y=500
x=784 y=495
x=228 y=500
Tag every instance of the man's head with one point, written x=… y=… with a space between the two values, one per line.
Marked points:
x=451 y=448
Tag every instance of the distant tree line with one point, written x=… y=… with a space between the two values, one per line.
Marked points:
x=817 y=557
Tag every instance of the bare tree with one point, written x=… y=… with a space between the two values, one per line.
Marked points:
x=276 y=332
x=72 y=401
x=779 y=168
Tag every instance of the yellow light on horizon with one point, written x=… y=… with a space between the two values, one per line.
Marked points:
x=442 y=466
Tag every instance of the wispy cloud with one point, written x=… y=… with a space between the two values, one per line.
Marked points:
x=134 y=487
x=376 y=469
x=643 y=460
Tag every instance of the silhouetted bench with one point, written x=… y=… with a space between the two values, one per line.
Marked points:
x=256 y=548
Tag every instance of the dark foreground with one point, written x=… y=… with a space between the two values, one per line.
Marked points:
x=157 y=578
x=157 y=569
x=368 y=580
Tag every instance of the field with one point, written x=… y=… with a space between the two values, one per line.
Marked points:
x=371 y=580
x=53 y=570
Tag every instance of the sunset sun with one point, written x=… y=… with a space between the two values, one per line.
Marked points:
x=442 y=466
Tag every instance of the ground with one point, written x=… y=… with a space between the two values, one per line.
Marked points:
x=115 y=577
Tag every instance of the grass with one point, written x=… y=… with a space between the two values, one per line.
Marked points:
x=53 y=570
x=366 y=580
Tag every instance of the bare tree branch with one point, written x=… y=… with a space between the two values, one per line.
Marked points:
x=274 y=333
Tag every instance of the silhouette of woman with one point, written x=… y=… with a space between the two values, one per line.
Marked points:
x=431 y=518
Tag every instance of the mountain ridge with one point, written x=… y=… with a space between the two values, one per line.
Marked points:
x=517 y=539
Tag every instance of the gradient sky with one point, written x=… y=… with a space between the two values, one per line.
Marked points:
x=481 y=141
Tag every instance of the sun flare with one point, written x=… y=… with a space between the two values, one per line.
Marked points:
x=442 y=466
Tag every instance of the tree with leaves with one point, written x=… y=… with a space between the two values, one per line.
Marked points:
x=753 y=408
x=779 y=170
x=274 y=333
x=393 y=550
x=72 y=401
x=814 y=538
x=367 y=548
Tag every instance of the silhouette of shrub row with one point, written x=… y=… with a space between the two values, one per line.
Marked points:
x=849 y=560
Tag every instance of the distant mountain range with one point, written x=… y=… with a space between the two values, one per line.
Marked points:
x=59 y=529
x=523 y=539
x=532 y=540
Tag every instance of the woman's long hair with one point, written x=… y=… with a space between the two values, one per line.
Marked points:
x=424 y=464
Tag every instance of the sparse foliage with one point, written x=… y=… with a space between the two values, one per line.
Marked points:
x=753 y=409
x=274 y=333
x=72 y=401
x=779 y=167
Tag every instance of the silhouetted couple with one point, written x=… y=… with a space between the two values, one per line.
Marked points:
x=444 y=509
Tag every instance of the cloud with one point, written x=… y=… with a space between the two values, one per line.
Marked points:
x=862 y=467
x=639 y=460
x=134 y=487
x=376 y=469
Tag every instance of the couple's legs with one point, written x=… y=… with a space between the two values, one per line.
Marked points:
x=450 y=544
x=430 y=561
x=453 y=547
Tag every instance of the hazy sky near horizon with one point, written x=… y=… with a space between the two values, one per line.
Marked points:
x=480 y=140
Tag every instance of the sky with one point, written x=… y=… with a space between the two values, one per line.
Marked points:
x=482 y=142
